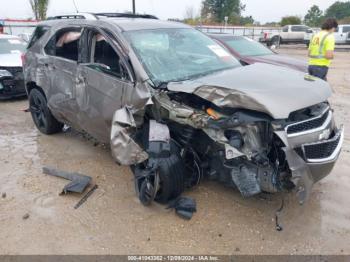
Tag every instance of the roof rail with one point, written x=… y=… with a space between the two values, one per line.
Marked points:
x=87 y=16
x=127 y=15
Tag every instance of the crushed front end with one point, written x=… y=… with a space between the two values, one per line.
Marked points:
x=250 y=150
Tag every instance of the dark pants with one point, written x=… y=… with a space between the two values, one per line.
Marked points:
x=318 y=71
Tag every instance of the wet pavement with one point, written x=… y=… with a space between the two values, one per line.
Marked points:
x=34 y=219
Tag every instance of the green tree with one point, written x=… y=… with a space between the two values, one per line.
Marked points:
x=344 y=21
x=290 y=20
x=217 y=10
x=338 y=10
x=314 y=16
x=246 y=20
x=39 y=8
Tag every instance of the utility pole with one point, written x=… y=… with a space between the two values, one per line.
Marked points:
x=133 y=7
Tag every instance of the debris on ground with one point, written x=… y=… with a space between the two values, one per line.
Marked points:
x=184 y=207
x=86 y=196
x=25 y=216
x=78 y=184
x=3 y=195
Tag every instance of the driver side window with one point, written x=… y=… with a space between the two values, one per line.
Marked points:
x=105 y=59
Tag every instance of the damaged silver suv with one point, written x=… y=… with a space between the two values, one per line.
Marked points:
x=177 y=107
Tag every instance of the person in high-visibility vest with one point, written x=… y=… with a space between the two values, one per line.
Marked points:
x=321 y=49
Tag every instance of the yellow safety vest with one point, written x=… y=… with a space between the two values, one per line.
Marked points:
x=319 y=45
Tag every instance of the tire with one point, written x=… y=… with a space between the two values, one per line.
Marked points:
x=41 y=114
x=171 y=172
x=275 y=41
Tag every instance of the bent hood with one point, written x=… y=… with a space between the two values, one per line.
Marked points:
x=274 y=90
x=281 y=60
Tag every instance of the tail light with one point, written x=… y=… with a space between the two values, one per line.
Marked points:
x=266 y=35
x=23 y=58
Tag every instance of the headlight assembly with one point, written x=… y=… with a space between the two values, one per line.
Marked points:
x=5 y=73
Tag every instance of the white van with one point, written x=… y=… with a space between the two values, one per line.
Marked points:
x=342 y=35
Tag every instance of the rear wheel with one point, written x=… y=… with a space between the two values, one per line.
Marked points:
x=41 y=114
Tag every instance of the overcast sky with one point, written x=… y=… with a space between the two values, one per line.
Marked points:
x=261 y=10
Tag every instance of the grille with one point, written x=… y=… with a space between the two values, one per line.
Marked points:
x=322 y=149
x=308 y=124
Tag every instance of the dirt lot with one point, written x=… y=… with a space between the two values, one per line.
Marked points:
x=112 y=221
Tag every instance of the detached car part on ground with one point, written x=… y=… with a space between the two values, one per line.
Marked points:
x=176 y=107
x=11 y=71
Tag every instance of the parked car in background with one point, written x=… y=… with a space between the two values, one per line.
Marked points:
x=341 y=35
x=11 y=71
x=25 y=37
x=248 y=52
x=290 y=34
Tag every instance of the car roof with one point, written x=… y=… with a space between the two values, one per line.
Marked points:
x=125 y=24
x=132 y=24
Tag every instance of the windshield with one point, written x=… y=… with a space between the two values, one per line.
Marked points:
x=247 y=47
x=12 y=46
x=170 y=55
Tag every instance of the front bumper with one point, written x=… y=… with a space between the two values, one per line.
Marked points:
x=11 y=88
x=311 y=154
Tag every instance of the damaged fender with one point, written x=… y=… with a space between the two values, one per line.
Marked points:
x=124 y=149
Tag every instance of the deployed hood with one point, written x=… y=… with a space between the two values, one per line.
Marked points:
x=11 y=60
x=274 y=90
x=281 y=60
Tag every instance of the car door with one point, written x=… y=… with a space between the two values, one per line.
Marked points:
x=102 y=81
x=62 y=51
x=297 y=33
x=285 y=33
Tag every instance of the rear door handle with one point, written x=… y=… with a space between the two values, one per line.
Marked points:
x=81 y=79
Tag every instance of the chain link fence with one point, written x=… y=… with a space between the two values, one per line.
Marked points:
x=252 y=32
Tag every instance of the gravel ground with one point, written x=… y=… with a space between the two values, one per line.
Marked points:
x=34 y=219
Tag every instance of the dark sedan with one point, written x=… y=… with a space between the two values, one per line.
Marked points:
x=249 y=52
x=11 y=71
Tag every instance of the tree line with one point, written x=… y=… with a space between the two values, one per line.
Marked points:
x=215 y=11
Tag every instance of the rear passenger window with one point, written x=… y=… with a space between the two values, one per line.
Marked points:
x=38 y=33
x=65 y=44
x=285 y=29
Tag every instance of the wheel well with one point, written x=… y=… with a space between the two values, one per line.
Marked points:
x=277 y=36
x=32 y=85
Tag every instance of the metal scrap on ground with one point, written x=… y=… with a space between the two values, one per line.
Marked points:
x=85 y=197
x=78 y=184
